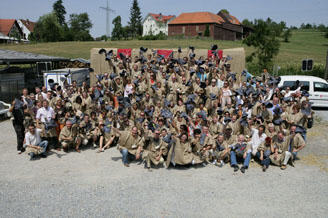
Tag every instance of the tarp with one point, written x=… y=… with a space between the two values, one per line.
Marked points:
x=210 y=53
x=126 y=51
x=166 y=53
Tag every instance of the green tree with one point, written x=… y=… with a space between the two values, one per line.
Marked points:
x=207 y=31
x=47 y=29
x=117 y=32
x=60 y=12
x=247 y=23
x=265 y=41
x=287 y=34
x=80 y=26
x=135 y=19
x=126 y=32
x=224 y=11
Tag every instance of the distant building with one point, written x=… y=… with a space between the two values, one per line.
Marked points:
x=193 y=24
x=10 y=31
x=27 y=27
x=153 y=24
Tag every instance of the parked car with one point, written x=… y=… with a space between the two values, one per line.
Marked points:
x=4 y=110
x=315 y=86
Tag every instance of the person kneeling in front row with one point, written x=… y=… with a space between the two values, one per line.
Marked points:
x=33 y=144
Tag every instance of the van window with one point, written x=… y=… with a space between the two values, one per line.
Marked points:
x=320 y=87
x=292 y=85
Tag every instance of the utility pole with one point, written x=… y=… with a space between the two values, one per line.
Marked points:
x=326 y=72
x=107 y=9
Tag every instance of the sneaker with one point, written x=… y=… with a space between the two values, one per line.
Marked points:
x=126 y=165
x=215 y=163
x=242 y=169
x=221 y=163
x=235 y=168
x=43 y=155
x=264 y=168
x=32 y=156
x=94 y=145
x=283 y=167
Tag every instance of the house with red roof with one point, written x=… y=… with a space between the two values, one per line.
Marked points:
x=27 y=27
x=195 y=23
x=153 y=24
x=10 y=31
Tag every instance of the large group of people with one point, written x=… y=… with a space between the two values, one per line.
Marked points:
x=166 y=111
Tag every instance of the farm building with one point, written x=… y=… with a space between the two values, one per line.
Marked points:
x=27 y=27
x=225 y=27
x=153 y=24
x=10 y=31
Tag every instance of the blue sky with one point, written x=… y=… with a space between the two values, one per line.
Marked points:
x=293 y=12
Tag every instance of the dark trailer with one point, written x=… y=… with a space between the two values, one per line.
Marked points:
x=20 y=70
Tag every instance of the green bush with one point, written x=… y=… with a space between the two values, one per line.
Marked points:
x=291 y=69
x=160 y=36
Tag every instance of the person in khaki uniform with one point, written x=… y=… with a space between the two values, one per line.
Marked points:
x=181 y=152
x=68 y=137
x=221 y=151
x=129 y=144
x=154 y=150
x=280 y=156
x=264 y=151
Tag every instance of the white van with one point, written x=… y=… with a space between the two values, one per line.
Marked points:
x=59 y=76
x=316 y=87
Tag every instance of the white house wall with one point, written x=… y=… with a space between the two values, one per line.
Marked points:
x=26 y=31
x=150 y=25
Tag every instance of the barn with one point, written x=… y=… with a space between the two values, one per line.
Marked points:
x=195 y=23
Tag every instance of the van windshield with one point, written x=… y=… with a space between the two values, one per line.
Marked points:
x=320 y=87
x=292 y=85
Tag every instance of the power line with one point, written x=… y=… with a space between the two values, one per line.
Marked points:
x=107 y=9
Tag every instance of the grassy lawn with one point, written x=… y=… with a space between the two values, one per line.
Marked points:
x=303 y=44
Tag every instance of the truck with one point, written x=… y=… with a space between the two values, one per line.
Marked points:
x=67 y=75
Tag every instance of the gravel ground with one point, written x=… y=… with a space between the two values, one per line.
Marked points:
x=98 y=185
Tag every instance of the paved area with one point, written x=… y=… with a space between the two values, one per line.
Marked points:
x=98 y=185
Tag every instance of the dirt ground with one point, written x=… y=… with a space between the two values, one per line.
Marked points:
x=89 y=184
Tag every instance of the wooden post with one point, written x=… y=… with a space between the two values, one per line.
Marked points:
x=326 y=71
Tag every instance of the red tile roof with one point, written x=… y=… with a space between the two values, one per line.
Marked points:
x=161 y=18
x=6 y=25
x=29 y=24
x=234 y=20
x=197 y=17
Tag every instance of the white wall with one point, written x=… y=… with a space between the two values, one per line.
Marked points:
x=26 y=31
x=151 y=25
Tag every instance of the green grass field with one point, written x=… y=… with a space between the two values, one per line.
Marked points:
x=303 y=44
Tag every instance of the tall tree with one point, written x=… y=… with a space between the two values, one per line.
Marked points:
x=47 y=29
x=135 y=19
x=60 y=12
x=80 y=26
x=287 y=34
x=117 y=32
x=265 y=40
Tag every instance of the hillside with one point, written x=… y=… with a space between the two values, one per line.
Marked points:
x=303 y=44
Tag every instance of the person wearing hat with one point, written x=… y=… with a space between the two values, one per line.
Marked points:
x=130 y=144
x=154 y=149
x=264 y=151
